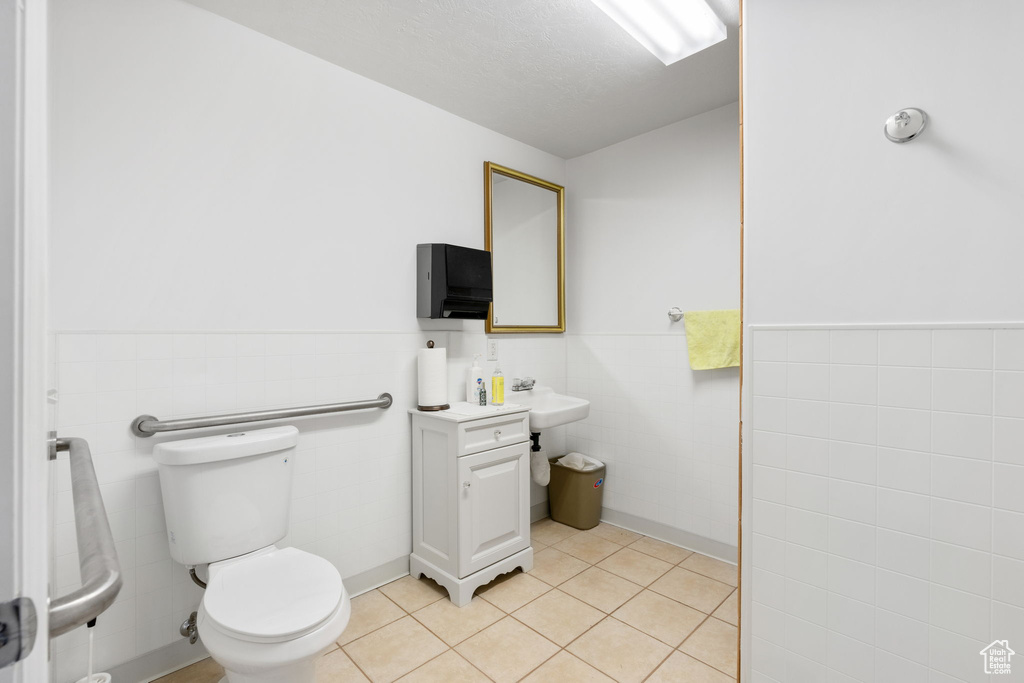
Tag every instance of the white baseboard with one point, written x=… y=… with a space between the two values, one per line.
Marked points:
x=538 y=511
x=157 y=663
x=670 y=534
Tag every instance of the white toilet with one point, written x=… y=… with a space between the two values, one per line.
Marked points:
x=268 y=612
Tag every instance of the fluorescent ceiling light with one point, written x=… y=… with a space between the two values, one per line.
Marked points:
x=670 y=29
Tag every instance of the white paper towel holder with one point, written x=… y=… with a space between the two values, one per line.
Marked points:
x=446 y=406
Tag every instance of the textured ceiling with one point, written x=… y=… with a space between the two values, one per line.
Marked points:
x=556 y=74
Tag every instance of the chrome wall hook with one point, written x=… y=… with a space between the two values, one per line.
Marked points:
x=905 y=125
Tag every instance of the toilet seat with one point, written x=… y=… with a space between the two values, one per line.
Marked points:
x=274 y=596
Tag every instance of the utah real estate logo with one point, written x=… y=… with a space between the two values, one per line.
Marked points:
x=997 y=657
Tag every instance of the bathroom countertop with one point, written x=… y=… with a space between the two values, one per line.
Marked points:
x=461 y=411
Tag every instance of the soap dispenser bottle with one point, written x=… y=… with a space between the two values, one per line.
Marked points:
x=474 y=381
x=497 y=387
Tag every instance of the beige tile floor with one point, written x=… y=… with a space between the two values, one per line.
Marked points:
x=599 y=605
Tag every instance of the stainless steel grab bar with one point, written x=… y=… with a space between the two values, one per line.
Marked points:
x=148 y=425
x=97 y=556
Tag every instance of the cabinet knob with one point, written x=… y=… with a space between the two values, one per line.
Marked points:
x=497 y=434
x=465 y=484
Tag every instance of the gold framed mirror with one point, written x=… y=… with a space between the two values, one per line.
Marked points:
x=524 y=229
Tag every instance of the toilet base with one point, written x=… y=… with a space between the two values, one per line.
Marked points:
x=460 y=591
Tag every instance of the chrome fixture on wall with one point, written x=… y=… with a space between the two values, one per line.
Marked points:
x=148 y=425
x=905 y=125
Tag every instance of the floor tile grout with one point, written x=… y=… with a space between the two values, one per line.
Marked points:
x=549 y=588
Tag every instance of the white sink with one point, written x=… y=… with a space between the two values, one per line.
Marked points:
x=548 y=409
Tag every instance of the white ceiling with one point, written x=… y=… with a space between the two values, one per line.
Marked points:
x=556 y=74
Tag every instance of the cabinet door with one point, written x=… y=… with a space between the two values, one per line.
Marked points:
x=494 y=506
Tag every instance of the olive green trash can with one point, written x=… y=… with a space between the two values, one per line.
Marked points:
x=574 y=495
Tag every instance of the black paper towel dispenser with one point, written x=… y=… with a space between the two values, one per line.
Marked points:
x=452 y=282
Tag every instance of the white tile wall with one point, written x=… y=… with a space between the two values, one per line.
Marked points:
x=668 y=434
x=888 y=527
x=351 y=488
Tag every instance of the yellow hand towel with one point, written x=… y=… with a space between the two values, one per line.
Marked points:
x=713 y=339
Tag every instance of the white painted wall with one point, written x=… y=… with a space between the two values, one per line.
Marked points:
x=237 y=220
x=844 y=226
x=920 y=439
x=209 y=178
x=654 y=223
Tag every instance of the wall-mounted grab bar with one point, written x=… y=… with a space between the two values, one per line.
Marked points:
x=147 y=425
x=97 y=557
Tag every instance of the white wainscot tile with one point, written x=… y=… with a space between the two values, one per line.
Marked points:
x=851 y=540
x=1009 y=394
x=968 y=436
x=904 y=470
x=903 y=553
x=851 y=618
x=808 y=346
x=770 y=519
x=1009 y=349
x=855 y=347
x=1008 y=580
x=851 y=501
x=947 y=659
x=807 y=455
x=806 y=602
x=910 y=348
x=962 y=568
x=904 y=428
x=154 y=346
x=769 y=414
x=906 y=512
x=852 y=657
x=903 y=594
x=959 y=612
x=969 y=349
x=963 y=479
x=1008 y=534
x=854 y=384
x=900 y=387
x=769 y=379
x=962 y=391
x=769 y=448
x=807 y=418
x=1009 y=440
x=962 y=524
x=769 y=553
x=852 y=462
x=807 y=381
x=769 y=345
x=1006 y=619
x=769 y=484
x=897 y=634
x=806 y=564
x=851 y=578
x=804 y=639
x=807 y=528
x=854 y=423
x=805 y=491
x=1008 y=485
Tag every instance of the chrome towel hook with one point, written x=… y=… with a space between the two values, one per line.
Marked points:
x=675 y=314
x=905 y=125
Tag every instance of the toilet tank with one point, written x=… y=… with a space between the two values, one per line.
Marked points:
x=226 y=495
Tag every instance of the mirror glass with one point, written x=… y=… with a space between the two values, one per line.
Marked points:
x=524 y=231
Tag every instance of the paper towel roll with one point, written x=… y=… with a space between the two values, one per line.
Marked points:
x=433 y=379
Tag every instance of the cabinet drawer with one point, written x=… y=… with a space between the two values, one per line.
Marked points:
x=492 y=432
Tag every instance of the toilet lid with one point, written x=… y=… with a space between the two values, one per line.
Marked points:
x=284 y=593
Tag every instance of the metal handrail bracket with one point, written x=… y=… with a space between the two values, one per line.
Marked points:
x=148 y=425
x=97 y=556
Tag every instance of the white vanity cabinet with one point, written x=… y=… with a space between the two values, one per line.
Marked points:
x=470 y=496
